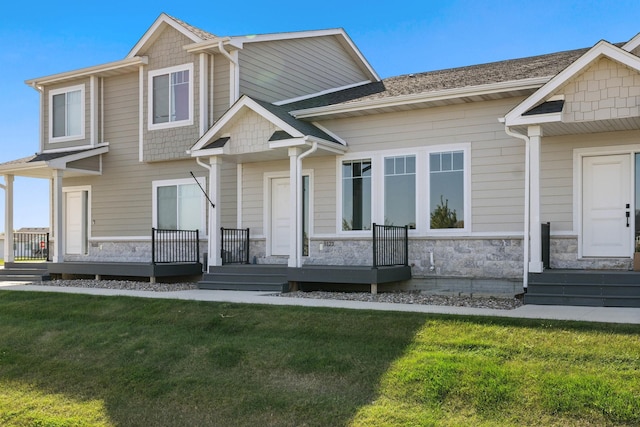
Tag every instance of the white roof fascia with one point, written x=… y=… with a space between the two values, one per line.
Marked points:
x=288 y=35
x=632 y=44
x=89 y=71
x=297 y=142
x=244 y=101
x=328 y=145
x=322 y=92
x=415 y=98
x=23 y=166
x=151 y=33
x=289 y=142
x=602 y=48
x=536 y=119
x=208 y=152
x=331 y=134
x=212 y=45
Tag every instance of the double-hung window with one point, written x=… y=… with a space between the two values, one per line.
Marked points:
x=179 y=205
x=171 y=97
x=66 y=114
x=446 y=190
x=356 y=195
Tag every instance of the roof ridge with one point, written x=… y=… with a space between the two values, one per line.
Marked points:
x=493 y=63
x=204 y=35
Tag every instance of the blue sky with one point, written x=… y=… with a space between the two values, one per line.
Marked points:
x=47 y=37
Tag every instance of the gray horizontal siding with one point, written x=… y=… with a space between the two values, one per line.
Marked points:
x=285 y=69
x=122 y=196
x=497 y=161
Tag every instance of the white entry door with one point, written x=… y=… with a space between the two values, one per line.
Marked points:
x=75 y=222
x=280 y=223
x=607 y=197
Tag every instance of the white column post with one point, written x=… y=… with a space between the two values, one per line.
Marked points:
x=215 y=258
x=203 y=92
x=535 y=139
x=8 y=218
x=58 y=243
x=294 y=231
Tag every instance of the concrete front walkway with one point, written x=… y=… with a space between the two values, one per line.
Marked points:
x=588 y=314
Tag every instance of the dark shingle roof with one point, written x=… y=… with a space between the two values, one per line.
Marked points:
x=453 y=78
x=42 y=157
x=218 y=143
x=306 y=128
x=546 y=107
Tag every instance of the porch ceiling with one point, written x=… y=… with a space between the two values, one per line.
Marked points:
x=586 y=127
x=273 y=154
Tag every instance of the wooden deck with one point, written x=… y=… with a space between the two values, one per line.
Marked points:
x=125 y=269
x=283 y=278
x=596 y=288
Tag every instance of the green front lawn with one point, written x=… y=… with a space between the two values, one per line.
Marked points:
x=75 y=360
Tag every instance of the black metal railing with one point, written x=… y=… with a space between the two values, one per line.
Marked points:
x=31 y=246
x=175 y=246
x=390 y=245
x=545 y=231
x=234 y=245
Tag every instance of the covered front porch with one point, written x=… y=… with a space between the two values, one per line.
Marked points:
x=240 y=270
x=582 y=148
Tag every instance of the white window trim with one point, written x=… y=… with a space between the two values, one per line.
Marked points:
x=53 y=92
x=422 y=188
x=169 y=70
x=178 y=182
x=375 y=181
x=466 y=149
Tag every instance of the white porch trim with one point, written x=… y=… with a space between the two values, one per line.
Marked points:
x=535 y=140
x=8 y=217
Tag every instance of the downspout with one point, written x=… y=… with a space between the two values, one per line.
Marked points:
x=527 y=191
x=311 y=150
x=210 y=231
x=234 y=61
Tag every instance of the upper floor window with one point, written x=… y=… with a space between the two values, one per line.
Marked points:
x=66 y=114
x=171 y=97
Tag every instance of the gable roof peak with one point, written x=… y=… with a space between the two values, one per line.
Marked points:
x=193 y=33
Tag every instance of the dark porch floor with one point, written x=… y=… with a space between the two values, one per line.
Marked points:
x=596 y=288
x=125 y=269
x=282 y=278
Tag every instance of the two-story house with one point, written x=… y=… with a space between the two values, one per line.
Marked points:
x=294 y=137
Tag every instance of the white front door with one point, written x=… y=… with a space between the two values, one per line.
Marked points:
x=75 y=222
x=607 y=200
x=280 y=224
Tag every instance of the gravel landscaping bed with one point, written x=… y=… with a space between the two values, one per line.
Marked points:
x=414 y=297
x=129 y=285
x=404 y=297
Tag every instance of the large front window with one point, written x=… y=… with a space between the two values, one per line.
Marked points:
x=179 y=205
x=171 y=97
x=400 y=191
x=356 y=195
x=66 y=110
x=446 y=189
